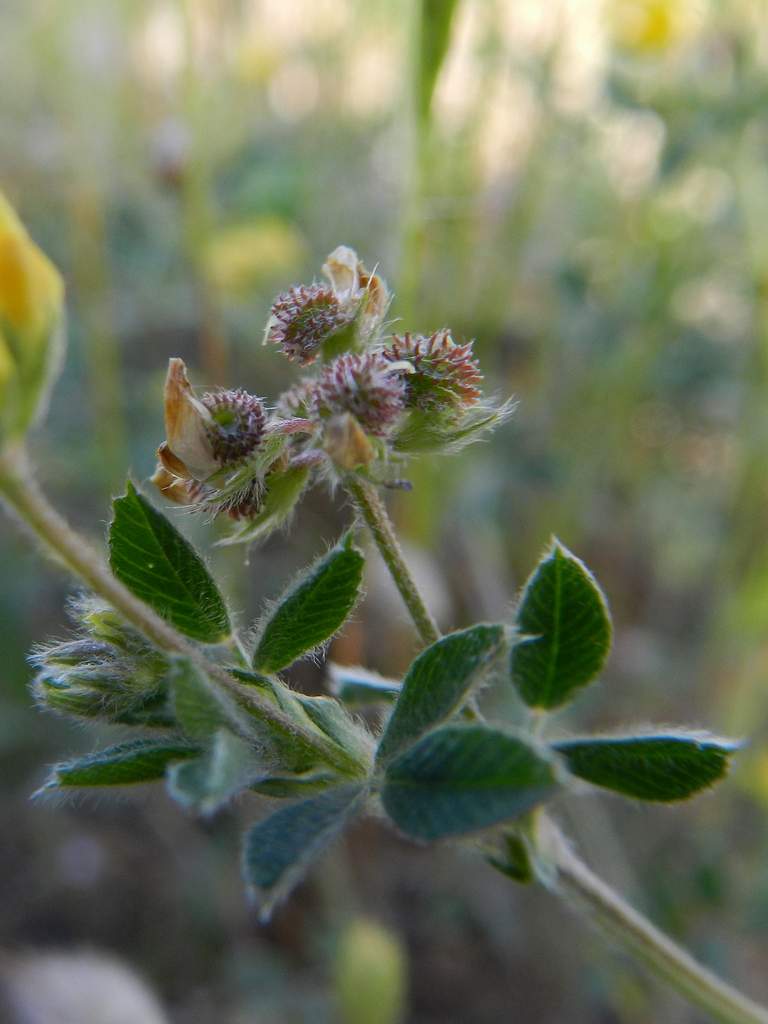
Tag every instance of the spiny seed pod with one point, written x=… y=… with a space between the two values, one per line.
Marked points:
x=305 y=317
x=236 y=427
x=366 y=386
x=438 y=373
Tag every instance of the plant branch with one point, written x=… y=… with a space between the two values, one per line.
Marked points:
x=371 y=508
x=559 y=868
x=22 y=496
x=564 y=873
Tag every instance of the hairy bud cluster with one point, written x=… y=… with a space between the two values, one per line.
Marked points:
x=237 y=425
x=438 y=373
x=206 y=437
x=108 y=671
x=364 y=385
x=305 y=317
x=371 y=404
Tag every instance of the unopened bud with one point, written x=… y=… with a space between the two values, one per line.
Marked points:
x=218 y=431
x=438 y=374
x=304 y=318
x=346 y=442
x=371 y=975
x=363 y=385
x=31 y=326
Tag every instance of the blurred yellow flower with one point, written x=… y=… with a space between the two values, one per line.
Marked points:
x=31 y=335
x=242 y=257
x=650 y=25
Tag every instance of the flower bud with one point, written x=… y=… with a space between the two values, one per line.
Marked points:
x=31 y=326
x=220 y=430
x=438 y=374
x=237 y=425
x=71 y=653
x=60 y=694
x=304 y=318
x=366 y=386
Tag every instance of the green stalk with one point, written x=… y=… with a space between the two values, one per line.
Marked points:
x=372 y=509
x=559 y=868
x=23 y=497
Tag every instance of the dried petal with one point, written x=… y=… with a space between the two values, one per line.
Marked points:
x=347 y=443
x=342 y=268
x=187 y=425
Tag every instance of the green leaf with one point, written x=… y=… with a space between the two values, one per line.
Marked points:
x=463 y=778
x=206 y=782
x=279 y=850
x=121 y=765
x=312 y=610
x=336 y=723
x=200 y=706
x=438 y=682
x=149 y=555
x=282 y=492
x=435 y=18
x=358 y=687
x=294 y=785
x=565 y=631
x=663 y=766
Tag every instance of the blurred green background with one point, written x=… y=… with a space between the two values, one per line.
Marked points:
x=582 y=187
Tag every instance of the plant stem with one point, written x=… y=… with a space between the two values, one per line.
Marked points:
x=373 y=511
x=564 y=873
x=22 y=495
x=560 y=869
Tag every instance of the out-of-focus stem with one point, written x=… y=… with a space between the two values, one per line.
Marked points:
x=91 y=275
x=564 y=873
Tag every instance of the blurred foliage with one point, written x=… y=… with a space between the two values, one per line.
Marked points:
x=588 y=198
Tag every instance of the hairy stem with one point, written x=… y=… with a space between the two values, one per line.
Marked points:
x=23 y=497
x=564 y=873
x=371 y=508
x=560 y=869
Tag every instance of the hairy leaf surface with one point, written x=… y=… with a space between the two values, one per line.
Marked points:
x=463 y=778
x=565 y=631
x=664 y=767
x=312 y=610
x=438 y=682
x=149 y=555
